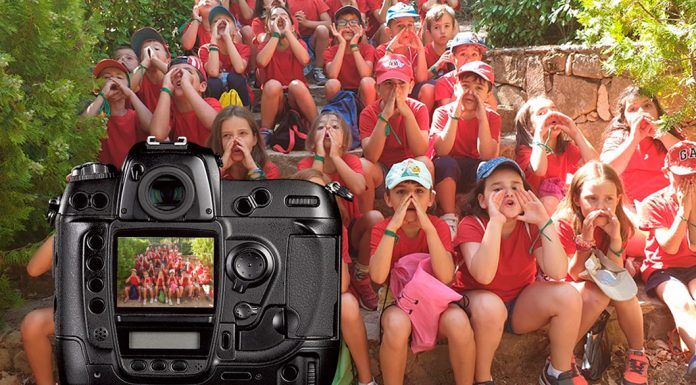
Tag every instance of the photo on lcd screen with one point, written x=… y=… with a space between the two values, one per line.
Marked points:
x=165 y=272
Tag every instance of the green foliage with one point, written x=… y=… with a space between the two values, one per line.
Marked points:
x=9 y=296
x=526 y=22
x=204 y=249
x=654 y=41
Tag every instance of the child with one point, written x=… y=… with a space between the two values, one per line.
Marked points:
x=147 y=289
x=463 y=134
x=591 y=215
x=425 y=6
x=352 y=325
x=394 y=127
x=282 y=58
x=181 y=109
x=125 y=55
x=376 y=17
x=411 y=230
x=400 y=27
x=197 y=31
x=549 y=147
x=441 y=26
x=124 y=124
x=154 y=57
x=314 y=21
x=132 y=284
x=328 y=138
x=174 y=288
x=235 y=136
x=350 y=70
x=504 y=235
x=669 y=268
x=226 y=63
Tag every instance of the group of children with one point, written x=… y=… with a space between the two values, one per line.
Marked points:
x=509 y=257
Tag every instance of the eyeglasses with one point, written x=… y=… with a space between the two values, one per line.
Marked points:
x=343 y=23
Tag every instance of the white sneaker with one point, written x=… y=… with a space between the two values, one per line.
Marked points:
x=152 y=300
x=145 y=302
x=170 y=301
x=452 y=222
x=178 y=301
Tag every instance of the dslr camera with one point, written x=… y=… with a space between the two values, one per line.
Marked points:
x=164 y=274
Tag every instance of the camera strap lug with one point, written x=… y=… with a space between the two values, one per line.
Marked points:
x=335 y=188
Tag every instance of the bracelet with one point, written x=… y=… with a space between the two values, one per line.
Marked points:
x=582 y=244
x=545 y=146
x=275 y=34
x=453 y=117
x=101 y=94
x=140 y=66
x=382 y=118
x=319 y=157
x=617 y=253
x=167 y=90
x=388 y=50
x=540 y=234
x=392 y=234
x=198 y=20
x=260 y=174
x=213 y=49
x=433 y=70
x=354 y=46
x=687 y=221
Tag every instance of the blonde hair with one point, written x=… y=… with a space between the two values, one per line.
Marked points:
x=215 y=138
x=438 y=12
x=311 y=134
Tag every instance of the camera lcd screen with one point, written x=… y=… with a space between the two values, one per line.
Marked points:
x=165 y=272
x=164 y=340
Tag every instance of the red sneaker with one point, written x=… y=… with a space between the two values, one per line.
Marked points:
x=366 y=294
x=636 y=369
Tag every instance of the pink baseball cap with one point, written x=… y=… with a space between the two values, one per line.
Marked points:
x=479 y=68
x=393 y=66
x=193 y=61
x=681 y=158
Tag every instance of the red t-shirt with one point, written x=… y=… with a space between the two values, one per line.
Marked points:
x=134 y=280
x=516 y=266
x=258 y=26
x=348 y=75
x=444 y=86
x=659 y=211
x=149 y=93
x=353 y=161
x=566 y=234
x=202 y=36
x=345 y=245
x=643 y=174
x=225 y=60
x=467 y=130
x=312 y=9
x=406 y=245
x=283 y=66
x=410 y=53
x=393 y=152
x=121 y=135
x=431 y=57
x=187 y=124
x=557 y=165
x=237 y=12
x=270 y=169
x=335 y=5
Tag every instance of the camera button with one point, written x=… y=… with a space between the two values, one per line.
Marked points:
x=179 y=366
x=138 y=365
x=158 y=365
x=137 y=172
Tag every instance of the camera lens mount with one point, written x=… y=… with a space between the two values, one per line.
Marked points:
x=166 y=193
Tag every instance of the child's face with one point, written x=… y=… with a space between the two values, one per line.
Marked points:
x=442 y=30
x=402 y=191
x=477 y=86
x=508 y=181
x=400 y=24
x=221 y=27
x=274 y=3
x=236 y=128
x=346 y=25
x=116 y=75
x=639 y=106
x=597 y=194
x=328 y=123
x=204 y=7
x=127 y=57
x=177 y=78
x=387 y=87
x=281 y=16
x=540 y=112
x=466 y=54
x=156 y=49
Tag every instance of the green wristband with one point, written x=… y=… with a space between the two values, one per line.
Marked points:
x=354 y=46
x=275 y=34
x=433 y=70
x=213 y=49
x=617 y=253
x=319 y=157
x=382 y=118
x=540 y=234
x=167 y=90
x=392 y=234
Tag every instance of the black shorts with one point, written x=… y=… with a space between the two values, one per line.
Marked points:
x=681 y=274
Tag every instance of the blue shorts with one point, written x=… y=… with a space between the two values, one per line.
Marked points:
x=461 y=169
x=510 y=306
x=312 y=55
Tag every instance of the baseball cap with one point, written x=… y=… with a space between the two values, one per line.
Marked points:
x=192 y=61
x=485 y=169
x=467 y=38
x=400 y=10
x=220 y=10
x=479 y=68
x=108 y=63
x=393 y=66
x=348 y=9
x=681 y=158
x=409 y=169
x=142 y=35
x=613 y=280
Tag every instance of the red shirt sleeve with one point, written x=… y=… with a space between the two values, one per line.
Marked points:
x=573 y=158
x=305 y=163
x=367 y=122
x=469 y=230
x=377 y=234
x=495 y=123
x=420 y=111
x=243 y=49
x=353 y=161
x=443 y=89
x=368 y=52
x=329 y=54
x=271 y=170
x=443 y=232
x=566 y=236
x=321 y=7
x=212 y=102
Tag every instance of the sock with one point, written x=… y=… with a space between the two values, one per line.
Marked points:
x=372 y=381
x=639 y=352
x=360 y=270
x=553 y=372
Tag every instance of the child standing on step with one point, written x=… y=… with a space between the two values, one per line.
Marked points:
x=197 y=31
x=154 y=56
x=314 y=21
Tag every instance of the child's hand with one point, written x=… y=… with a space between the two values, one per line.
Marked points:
x=425 y=222
x=401 y=100
x=481 y=113
x=301 y=17
x=567 y=125
x=275 y=27
x=533 y=210
x=642 y=127
x=389 y=105
x=287 y=25
x=399 y=214
x=358 y=32
x=611 y=226
x=588 y=225
x=339 y=38
x=685 y=192
x=495 y=201
x=319 y=142
x=396 y=42
x=228 y=31
x=196 y=12
x=124 y=89
x=249 y=161
x=167 y=82
x=336 y=149
x=186 y=79
x=215 y=35
x=445 y=58
x=416 y=42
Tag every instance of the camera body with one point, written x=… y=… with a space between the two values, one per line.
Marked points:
x=165 y=274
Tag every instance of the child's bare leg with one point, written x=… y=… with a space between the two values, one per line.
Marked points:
x=393 y=351
x=360 y=234
x=271 y=103
x=445 y=193
x=299 y=97
x=427 y=96
x=366 y=200
x=36 y=327
x=332 y=87
x=550 y=203
x=248 y=39
x=683 y=308
x=631 y=321
x=320 y=41
x=488 y=315
x=454 y=325
x=367 y=92
x=594 y=301
x=355 y=336
x=428 y=163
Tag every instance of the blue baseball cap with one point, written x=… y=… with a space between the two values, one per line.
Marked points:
x=467 y=38
x=485 y=169
x=400 y=10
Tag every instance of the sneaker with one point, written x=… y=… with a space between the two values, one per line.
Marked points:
x=452 y=222
x=691 y=370
x=145 y=302
x=570 y=377
x=170 y=302
x=178 y=301
x=491 y=382
x=636 y=372
x=319 y=77
x=366 y=294
x=152 y=300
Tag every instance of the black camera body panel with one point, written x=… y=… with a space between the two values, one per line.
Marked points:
x=275 y=292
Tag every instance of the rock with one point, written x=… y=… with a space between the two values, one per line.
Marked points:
x=554 y=62
x=588 y=66
x=616 y=87
x=593 y=131
x=5 y=359
x=20 y=362
x=593 y=116
x=534 y=77
x=581 y=119
x=548 y=83
x=574 y=96
x=507 y=116
x=12 y=340
x=508 y=70
x=510 y=96
x=9 y=379
x=603 y=103
x=569 y=65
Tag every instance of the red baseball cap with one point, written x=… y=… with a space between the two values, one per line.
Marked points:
x=393 y=66
x=479 y=68
x=681 y=158
x=108 y=63
x=193 y=61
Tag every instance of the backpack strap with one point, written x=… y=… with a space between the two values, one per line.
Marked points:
x=291 y=143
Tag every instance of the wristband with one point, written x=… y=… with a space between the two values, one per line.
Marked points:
x=275 y=34
x=167 y=90
x=388 y=50
x=545 y=146
x=198 y=20
x=617 y=253
x=382 y=118
x=541 y=233
x=392 y=234
x=213 y=49
x=140 y=66
x=102 y=95
x=582 y=244
x=433 y=70
x=318 y=157
x=260 y=174
x=354 y=46
x=453 y=117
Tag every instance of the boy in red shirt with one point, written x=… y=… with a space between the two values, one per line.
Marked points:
x=226 y=63
x=412 y=230
x=441 y=25
x=125 y=55
x=197 y=31
x=182 y=110
x=314 y=21
x=350 y=70
x=669 y=268
x=154 y=57
x=395 y=126
x=376 y=17
x=124 y=123
x=464 y=133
